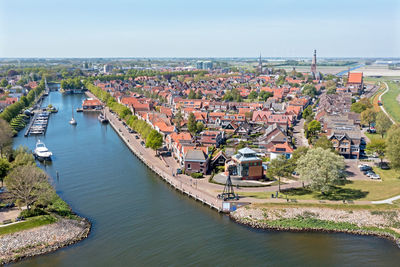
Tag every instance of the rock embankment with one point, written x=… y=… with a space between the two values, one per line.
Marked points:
x=42 y=239
x=356 y=221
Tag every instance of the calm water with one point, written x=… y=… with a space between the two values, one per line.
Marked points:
x=139 y=221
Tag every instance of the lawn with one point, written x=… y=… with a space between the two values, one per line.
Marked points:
x=28 y=224
x=353 y=190
x=372 y=136
x=390 y=101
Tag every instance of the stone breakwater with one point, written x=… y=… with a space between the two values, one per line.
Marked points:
x=43 y=239
x=374 y=223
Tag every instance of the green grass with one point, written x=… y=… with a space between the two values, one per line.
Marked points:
x=28 y=224
x=373 y=137
x=352 y=190
x=390 y=102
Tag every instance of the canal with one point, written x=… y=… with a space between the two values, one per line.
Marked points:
x=139 y=221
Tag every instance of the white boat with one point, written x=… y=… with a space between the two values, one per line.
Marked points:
x=73 y=121
x=41 y=151
x=102 y=118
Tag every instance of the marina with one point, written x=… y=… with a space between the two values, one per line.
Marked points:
x=38 y=124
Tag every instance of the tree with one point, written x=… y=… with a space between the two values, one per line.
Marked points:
x=199 y=95
x=178 y=119
x=191 y=125
x=279 y=167
x=5 y=136
x=27 y=184
x=298 y=153
x=4 y=168
x=199 y=127
x=321 y=169
x=377 y=146
x=192 y=94
x=154 y=140
x=393 y=146
x=3 y=82
x=253 y=95
x=308 y=112
x=331 y=90
x=314 y=127
x=310 y=90
x=368 y=116
x=324 y=142
x=22 y=157
x=264 y=95
x=383 y=123
x=361 y=105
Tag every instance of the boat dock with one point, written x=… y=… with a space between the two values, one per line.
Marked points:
x=38 y=124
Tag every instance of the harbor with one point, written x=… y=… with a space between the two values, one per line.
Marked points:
x=38 y=124
x=138 y=219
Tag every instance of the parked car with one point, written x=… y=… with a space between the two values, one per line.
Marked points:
x=370 y=173
x=137 y=137
x=142 y=143
x=178 y=171
x=375 y=176
x=364 y=167
x=384 y=165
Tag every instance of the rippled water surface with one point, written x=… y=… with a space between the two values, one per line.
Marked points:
x=139 y=221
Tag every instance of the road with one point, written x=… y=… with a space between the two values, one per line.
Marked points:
x=382 y=108
x=298 y=134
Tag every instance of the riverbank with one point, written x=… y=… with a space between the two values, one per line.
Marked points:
x=350 y=219
x=43 y=239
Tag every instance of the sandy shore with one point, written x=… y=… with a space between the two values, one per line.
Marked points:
x=43 y=239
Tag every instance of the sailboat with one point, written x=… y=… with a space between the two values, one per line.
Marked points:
x=73 y=121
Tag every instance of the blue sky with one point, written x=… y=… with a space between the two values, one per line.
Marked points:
x=217 y=28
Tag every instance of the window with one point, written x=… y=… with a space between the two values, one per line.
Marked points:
x=189 y=167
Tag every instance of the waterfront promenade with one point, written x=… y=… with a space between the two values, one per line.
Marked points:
x=186 y=186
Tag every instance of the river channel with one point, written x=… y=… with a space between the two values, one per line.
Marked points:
x=139 y=221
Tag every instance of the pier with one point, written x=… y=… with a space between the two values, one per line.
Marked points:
x=38 y=124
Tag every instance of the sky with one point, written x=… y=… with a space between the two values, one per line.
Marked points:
x=207 y=28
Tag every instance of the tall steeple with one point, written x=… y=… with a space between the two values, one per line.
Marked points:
x=260 y=64
x=314 y=63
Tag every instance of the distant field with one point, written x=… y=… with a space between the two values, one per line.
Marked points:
x=391 y=101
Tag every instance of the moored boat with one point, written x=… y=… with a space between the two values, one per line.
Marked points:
x=41 y=152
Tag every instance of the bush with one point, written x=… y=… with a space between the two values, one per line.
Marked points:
x=196 y=175
x=32 y=213
x=60 y=207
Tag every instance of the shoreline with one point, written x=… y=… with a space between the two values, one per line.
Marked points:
x=289 y=225
x=43 y=239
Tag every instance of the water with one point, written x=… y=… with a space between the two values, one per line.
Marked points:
x=351 y=69
x=139 y=221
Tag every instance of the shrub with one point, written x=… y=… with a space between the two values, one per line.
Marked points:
x=32 y=213
x=196 y=175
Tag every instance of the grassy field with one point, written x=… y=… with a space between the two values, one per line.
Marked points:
x=390 y=101
x=353 y=190
x=28 y=224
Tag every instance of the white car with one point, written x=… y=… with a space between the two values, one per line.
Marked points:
x=375 y=176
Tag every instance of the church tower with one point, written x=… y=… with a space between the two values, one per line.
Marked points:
x=314 y=64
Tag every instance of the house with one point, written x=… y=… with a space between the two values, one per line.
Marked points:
x=211 y=138
x=346 y=143
x=273 y=135
x=219 y=159
x=196 y=161
x=281 y=149
x=355 y=82
x=92 y=104
x=245 y=164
